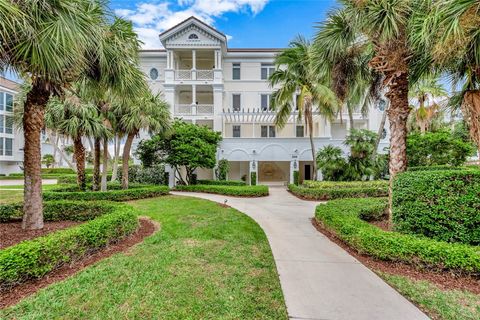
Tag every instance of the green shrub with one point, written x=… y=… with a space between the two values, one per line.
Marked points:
x=444 y=205
x=72 y=178
x=296 y=177
x=35 y=258
x=319 y=190
x=113 y=195
x=223 y=167
x=237 y=191
x=437 y=148
x=57 y=171
x=253 y=178
x=146 y=175
x=9 y=211
x=222 y=182
x=435 y=168
x=342 y=218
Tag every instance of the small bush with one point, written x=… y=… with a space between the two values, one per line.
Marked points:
x=435 y=168
x=296 y=177
x=236 y=191
x=253 y=178
x=113 y=195
x=72 y=178
x=444 y=205
x=146 y=175
x=57 y=171
x=222 y=182
x=317 y=190
x=35 y=258
x=342 y=218
x=223 y=167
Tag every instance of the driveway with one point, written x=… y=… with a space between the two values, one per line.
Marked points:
x=319 y=279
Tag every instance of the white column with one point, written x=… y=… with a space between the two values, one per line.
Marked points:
x=293 y=168
x=253 y=168
x=215 y=58
x=169 y=94
x=194 y=59
x=194 y=99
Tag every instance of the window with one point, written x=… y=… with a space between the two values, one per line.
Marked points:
x=267 y=131
x=8 y=146
x=296 y=101
x=2 y=125
x=265 y=101
x=300 y=132
x=8 y=124
x=267 y=70
x=8 y=102
x=236 y=102
x=192 y=36
x=1 y=146
x=153 y=74
x=236 y=71
x=2 y=101
x=236 y=131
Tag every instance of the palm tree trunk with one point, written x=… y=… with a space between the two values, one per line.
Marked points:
x=104 y=165
x=54 y=141
x=471 y=110
x=397 y=116
x=125 y=158
x=79 y=154
x=96 y=164
x=60 y=152
x=379 y=133
x=350 y=117
x=116 y=156
x=33 y=118
x=309 y=123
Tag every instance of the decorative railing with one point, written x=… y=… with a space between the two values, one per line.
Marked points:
x=204 y=74
x=183 y=74
x=193 y=109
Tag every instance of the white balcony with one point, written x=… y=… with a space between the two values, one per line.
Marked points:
x=199 y=74
x=193 y=110
x=183 y=74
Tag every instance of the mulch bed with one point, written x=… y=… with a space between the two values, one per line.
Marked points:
x=7 y=298
x=443 y=280
x=12 y=232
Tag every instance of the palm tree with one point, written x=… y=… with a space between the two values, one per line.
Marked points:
x=77 y=120
x=424 y=91
x=48 y=43
x=148 y=112
x=452 y=34
x=386 y=26
x=296 y=76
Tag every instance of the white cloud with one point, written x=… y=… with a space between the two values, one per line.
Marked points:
x=151 y=18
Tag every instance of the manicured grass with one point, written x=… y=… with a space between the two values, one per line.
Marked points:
x=441 y=304
x=206 y=262
x=11 y=196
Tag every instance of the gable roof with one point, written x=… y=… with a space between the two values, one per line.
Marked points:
x=192 y=20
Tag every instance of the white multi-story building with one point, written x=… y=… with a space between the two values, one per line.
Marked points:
x=207 y=83
x=11 y=143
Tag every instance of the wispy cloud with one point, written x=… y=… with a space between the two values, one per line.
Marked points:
x=151 y=18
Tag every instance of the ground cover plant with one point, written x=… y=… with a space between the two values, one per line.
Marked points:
x=442 y=205
x=206 y=262
x=222 y=182
x=342 y=217
x=326 y=190
x=107 y=223
x=236 y=191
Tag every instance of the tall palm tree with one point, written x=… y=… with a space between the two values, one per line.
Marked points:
x=78 y=120
x=149 y=112
x=48 y=43
x=296 y=76
x=452 y=33
x=424 y=92
x=386 y=25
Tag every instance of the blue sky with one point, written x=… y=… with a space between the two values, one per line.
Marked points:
x=247 y=23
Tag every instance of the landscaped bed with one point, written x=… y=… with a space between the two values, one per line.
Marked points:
x=228 y=190
x=207 y=262
x=326 y=190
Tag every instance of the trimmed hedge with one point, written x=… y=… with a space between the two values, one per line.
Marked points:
x=35 y=258
x=222 y=182
x=342 y=218
x=113 y=195
x=443 y=205
x=321 y=191
x=435 y=168
x=237 y=191
x=253 y=178
x=72 y=179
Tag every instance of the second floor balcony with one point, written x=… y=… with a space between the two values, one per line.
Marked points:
x=193 y=109
x=199 y=74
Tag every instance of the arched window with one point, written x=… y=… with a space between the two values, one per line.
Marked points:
x=192 y=36
x=153 y=74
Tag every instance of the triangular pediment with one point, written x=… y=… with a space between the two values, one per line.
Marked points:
x=192 y=33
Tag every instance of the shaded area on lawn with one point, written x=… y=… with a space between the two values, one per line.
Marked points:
x=207 y=261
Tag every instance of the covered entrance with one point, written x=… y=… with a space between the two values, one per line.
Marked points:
x=273 y=171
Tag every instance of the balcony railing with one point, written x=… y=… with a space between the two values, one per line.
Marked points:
x=193 y=109
x=194 y=74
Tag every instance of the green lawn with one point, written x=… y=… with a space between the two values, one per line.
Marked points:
x=206 y=262
x=440 y=304
x=9 y=196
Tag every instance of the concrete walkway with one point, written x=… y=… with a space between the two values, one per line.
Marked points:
x=318 y=278
x=19 y=182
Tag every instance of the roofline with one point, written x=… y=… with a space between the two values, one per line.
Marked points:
x=9 y=84
x=152 y=50
x=254 y=49
x=198 y=20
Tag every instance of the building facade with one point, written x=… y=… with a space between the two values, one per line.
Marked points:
x=227 y=90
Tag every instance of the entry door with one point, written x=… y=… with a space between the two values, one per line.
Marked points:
x=308 y=172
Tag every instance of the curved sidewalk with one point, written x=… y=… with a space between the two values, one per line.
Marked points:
x=318 y=278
